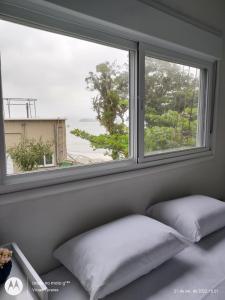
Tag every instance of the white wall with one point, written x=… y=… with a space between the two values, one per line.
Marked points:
x=40 y=219
x=143 y=21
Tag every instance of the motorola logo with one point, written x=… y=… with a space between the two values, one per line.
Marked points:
x=13 y=286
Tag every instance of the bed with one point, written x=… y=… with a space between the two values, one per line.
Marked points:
x=197 y=272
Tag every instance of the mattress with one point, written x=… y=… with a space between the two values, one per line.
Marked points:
x=196 y=273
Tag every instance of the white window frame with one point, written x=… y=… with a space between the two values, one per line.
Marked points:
x=38 y=16
x=207 y=74
x=47 y=177
x=46 y=165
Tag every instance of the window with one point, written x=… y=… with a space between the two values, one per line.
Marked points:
x=63 y=97
x=175 y=105
x=46 y=161
x=172 y=114
x=83 y=104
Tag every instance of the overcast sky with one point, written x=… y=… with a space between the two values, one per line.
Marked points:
x=51 y=68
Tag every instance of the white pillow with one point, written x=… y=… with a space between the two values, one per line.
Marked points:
x=193 y=216
x=109 y=257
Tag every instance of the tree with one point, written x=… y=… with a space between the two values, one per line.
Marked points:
x=116 y=143
x=29 y=153
x=111 y=105
x=171 y=107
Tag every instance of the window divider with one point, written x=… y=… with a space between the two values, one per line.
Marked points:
x=140 y=99
x=2 y=135
x=133 y=128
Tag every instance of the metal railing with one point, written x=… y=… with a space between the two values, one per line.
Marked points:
x=28 y=103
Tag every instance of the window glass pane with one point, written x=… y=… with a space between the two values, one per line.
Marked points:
x=64 y=98
x=172 y=107
x=40 y=161
x=48 y=159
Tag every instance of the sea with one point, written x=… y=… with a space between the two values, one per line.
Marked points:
x=76 y=145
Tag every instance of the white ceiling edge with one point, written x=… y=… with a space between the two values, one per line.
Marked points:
x=180 y=15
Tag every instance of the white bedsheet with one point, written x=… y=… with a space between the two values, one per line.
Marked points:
x=197 y=273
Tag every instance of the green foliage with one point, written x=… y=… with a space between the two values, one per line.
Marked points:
x=111 y=106
x=111 y=102
x=116 y=143
x=159 y=137
x=171 y=107
x=171 y=130
x=29 y=153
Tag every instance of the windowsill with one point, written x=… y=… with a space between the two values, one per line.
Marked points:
x=96 y=174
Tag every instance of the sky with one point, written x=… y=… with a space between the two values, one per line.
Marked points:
x=51 y=68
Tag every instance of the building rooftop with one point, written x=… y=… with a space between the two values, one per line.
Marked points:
x=34 y=119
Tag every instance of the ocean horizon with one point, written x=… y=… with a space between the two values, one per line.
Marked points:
x=76 y=145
